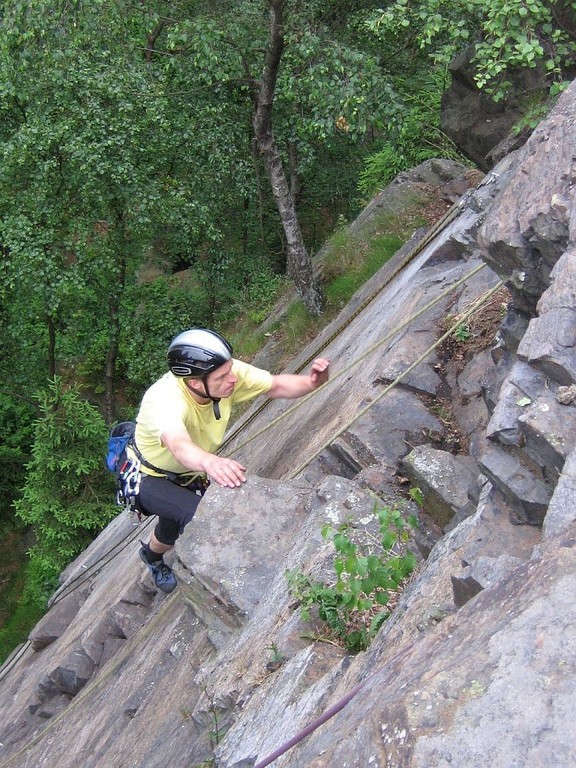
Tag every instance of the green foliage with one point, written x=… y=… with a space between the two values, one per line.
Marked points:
x=161 y=309
x=218 y=730
x=348 y=266
x=116 y=156
x=412 y=136
x=17 y=617
x=297 y=326
x=16 y=420
x=379 y=169
x=67 y=490
x=357 y=602
x=507 y=34
x=277 y=658
x=340 y=90
x=260 y=294
x=81 y=146
x=462 y=332
x=417 y=496
x=533 y=113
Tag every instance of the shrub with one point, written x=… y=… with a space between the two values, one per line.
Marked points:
x=367 y=579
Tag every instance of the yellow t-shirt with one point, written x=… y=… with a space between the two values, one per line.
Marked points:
x=169 y=403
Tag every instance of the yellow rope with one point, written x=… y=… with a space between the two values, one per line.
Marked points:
x=440 y=225
x=368 y=352
x=462 y=319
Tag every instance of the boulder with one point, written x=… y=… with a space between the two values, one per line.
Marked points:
x=550 y=339
x=534 y=201
x=479 y=126
x=446 y=482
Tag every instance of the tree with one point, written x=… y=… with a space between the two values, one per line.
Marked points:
x=296 y=86
x=125 y=131
x=85 y=157
x=299 y=264
x=67 y=491
x=506 y=35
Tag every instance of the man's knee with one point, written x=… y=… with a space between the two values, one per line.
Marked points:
x=167 y=531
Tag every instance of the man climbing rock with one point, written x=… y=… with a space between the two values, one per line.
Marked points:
x=181 y=423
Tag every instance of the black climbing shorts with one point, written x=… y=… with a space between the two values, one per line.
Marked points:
x=173 y=504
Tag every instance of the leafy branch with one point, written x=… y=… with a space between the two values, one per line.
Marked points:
x=367 y=579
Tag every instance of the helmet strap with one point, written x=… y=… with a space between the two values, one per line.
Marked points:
x=208 y=396
x=215 y=400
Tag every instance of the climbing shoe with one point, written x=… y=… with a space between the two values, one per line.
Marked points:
x=162 y=573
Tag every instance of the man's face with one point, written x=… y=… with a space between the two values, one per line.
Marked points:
x=222 y=381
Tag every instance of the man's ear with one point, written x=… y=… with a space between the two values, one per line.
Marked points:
x=196 y=385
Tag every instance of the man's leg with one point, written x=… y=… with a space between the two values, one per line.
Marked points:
x=157 y=547
x=175 y=506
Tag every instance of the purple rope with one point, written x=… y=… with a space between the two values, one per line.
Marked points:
x=311 y=727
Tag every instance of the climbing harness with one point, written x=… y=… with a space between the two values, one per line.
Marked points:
x=129 y=473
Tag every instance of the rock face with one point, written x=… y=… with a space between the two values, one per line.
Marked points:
x=480 y=127
x=476 y=659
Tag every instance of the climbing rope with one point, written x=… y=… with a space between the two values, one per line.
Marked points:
x=339 y=706
x=462 y=319
x=112 y=666
x=450 y=215
x=302 y=400
x=311 y=727
x=98 y=565
x=92 y=570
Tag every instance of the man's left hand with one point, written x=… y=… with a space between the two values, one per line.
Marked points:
x=319 y=372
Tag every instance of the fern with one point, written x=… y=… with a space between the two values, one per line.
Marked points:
x=411 y=138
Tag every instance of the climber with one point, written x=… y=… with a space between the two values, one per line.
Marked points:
x=181 y=423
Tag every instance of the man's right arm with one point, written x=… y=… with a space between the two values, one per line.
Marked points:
x=226 y=472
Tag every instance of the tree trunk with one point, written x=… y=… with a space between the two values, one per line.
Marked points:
x=111 y=357
x=299 y=264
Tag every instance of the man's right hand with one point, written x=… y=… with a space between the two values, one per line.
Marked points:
x=226 y=472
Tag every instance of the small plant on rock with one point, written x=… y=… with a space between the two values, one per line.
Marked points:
x=462 y=332
x=368 y=579
x=417 y=496
x=277 y=658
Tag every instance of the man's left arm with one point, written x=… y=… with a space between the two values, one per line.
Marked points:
x=292 y=385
